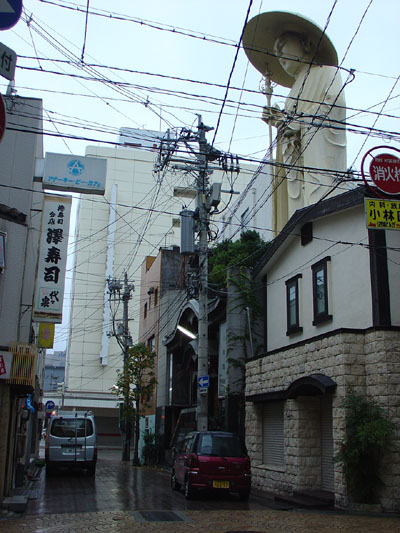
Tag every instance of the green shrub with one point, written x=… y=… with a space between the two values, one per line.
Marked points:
x=367 y=437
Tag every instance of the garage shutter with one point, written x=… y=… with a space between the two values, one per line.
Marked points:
x=273 y=435
x=327 y=471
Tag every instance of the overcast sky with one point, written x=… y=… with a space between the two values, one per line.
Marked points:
x=366 y=39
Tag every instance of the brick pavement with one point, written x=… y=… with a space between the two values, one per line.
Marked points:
x=204 y=522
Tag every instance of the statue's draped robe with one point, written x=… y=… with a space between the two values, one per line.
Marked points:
x=313 y=136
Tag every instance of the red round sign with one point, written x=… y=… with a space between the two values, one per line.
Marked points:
x=2 y=117
x=384 y=170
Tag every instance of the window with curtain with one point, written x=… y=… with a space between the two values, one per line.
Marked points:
x=320 y=291
x=293 y=305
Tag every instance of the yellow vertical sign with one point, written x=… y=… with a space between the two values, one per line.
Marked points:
x=46 y=335
x=382 y=214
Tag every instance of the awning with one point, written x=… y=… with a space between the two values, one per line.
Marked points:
x=312 y=385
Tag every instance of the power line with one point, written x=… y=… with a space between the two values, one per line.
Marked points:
x=166 y=77
x=231 y=73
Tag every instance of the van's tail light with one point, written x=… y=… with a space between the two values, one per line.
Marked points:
x=95 y=452
x=247 y=464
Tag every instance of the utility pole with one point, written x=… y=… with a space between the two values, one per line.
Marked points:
x=124 y=340
x=207 y=200
x=202 y=356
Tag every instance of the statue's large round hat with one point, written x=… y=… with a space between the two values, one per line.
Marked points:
x=262 y=31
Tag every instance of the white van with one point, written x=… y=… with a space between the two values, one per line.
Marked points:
x=71 y=441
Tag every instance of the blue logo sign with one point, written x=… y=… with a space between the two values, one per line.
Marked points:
x=10 y=11
x=75 y=167
x=203 y=382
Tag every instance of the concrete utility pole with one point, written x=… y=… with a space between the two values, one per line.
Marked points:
x=124 y=340
x=202 y=356
x=207 y=200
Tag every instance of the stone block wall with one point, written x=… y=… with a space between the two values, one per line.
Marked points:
x=363 y=363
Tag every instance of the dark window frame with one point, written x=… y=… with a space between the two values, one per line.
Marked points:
x=321 y=316
x=293 y=327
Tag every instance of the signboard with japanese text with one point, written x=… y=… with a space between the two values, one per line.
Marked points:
x=384 y=170
x=8 y=62
x=382 y=214
x=74 y=173
x=5 y=364
x=49 y=292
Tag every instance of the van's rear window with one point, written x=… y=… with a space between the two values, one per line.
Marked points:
x=71 y=427
x=219 y=445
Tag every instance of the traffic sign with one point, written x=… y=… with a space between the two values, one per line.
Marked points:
x=50 y=405
x=10 y=11
x=203 y=382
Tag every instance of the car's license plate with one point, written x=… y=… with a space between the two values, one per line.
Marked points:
x=72 y=449
x=218 y=484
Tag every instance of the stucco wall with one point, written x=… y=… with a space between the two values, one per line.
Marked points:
x=348 y=278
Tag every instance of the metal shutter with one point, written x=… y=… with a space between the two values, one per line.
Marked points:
x=273 y=435
x=327 y=471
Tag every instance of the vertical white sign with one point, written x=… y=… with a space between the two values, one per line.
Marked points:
x=49 y=293
x=222 y=369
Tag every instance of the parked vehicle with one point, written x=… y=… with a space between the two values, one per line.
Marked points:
x=71 y=441
x=212 y=460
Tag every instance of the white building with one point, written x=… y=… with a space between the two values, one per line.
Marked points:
x=329 y=288
x=138 y=214
x=252 y=210
x=21 y=202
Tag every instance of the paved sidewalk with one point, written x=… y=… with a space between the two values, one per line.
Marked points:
x=201 y=522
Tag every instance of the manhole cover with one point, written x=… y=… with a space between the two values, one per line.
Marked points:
x=159 y=516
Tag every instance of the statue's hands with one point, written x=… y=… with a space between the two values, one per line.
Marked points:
x=273 y=116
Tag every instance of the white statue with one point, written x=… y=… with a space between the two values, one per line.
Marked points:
x=295 y=53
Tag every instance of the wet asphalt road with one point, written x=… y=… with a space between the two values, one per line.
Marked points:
x=118 y=486
x=125 y=499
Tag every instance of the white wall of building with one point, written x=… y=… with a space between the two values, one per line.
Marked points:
x=251 y=210
x=392 y=243
x=17 y=163
x=145 y=214
x=348 y=273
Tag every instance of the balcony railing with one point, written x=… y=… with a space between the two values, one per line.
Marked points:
x=23 y=367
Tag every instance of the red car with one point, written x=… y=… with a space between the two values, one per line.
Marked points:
x=212 y=460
